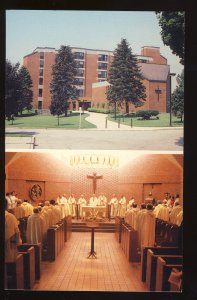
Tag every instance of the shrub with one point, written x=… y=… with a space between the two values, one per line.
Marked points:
x=99 y=110
x=147 y=114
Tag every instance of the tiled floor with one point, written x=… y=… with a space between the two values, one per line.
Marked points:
x=73 y=271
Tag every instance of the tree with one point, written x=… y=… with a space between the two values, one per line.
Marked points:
x=172 y=25
x=63 y=80
x=178 y=97
x=25 y=91
x=125 y=79
x=12 y=87
x=18 y=93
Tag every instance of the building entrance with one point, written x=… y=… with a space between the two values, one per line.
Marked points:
x=84 y=104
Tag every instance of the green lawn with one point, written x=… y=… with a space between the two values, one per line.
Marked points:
x=42 y=121
x=163 y=121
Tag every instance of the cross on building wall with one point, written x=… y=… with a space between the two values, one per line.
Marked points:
x=94 y=178
x=158 y=92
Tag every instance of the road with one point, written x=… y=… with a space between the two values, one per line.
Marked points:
x=162 y=139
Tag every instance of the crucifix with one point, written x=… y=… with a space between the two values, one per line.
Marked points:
x=158 y=92
x=94 y=178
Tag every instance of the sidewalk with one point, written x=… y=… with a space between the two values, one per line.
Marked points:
x=99 y=120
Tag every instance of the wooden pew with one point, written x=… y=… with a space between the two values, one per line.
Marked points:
x=161 y=251
x=55 y=241
x=14 y=274
x=151 y=268
x=37 y=252
x=167 y=234
x=129 y=243
x=118 y=228
x=67 y=228
x=22 y=228
x=164 y=268
x=160 y=231
x=28 y=266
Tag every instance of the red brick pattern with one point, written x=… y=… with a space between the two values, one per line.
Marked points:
x=97 y=94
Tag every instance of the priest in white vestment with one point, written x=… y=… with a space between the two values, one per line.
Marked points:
x=147 y=229
x=13 y=199
x=19 y=210
x=81 y=202
x=12 y=235
x=133 y=215
x=114 y=206
x=122 y=206
x=93 y=200
x=48 y=209
x=179 y=218
x=55 y=212
x=28 y=208
x=139 y=221
x=72 y=203
x=163 y=212
x=102 y=200
x=131 y=201
x=59 y=199
x=9 y=203
x=175 y=211
x=35 y=228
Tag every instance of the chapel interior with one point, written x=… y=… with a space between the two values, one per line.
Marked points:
x=98 y=221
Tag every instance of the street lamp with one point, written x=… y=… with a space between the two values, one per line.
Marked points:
x=171 y=74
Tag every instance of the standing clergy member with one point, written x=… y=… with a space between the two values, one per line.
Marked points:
x=81 y=202
x=72 y=203
x=93 y=200
x=114 y=206
x=35 y=228
x=147 y=234
x=122 y=206
x=12 y=233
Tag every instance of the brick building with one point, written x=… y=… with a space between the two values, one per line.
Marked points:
x=91 y=80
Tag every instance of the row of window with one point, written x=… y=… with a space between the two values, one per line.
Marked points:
x=80 y=67
x=80 y=93
x=80 y=81
x=81 y=55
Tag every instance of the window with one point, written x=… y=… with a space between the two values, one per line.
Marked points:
x=40 y=80
x=40 y=92
x=102 y=66
x=79 y=64
x=41 y=72
x=102 y=74
x=80 y=93
x=78 y=55
x=41 y=63
x=41 y=55
x=102 y=57
x=79 y=81
x=143 y=60
x=39 y=104
x=80 y=72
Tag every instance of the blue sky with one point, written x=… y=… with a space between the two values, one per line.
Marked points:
x=103 y=30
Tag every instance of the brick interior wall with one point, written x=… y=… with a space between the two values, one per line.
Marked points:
x=80 y=184
x=160 y=173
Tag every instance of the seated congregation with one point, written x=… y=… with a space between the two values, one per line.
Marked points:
x=149 y=234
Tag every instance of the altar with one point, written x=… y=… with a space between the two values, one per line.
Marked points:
x=94 y=211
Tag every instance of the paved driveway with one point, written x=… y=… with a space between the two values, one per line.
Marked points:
x=133 y=139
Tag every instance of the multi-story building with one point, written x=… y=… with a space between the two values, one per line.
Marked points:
x=91 y=79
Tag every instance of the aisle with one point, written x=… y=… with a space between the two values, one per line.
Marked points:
x=72 y=271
